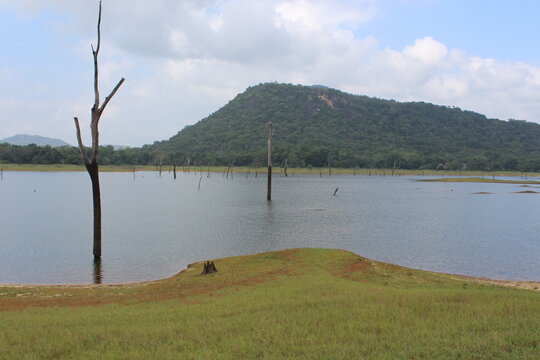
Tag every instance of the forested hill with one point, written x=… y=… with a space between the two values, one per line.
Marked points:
x=318 y=125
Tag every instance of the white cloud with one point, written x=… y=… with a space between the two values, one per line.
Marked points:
x=184 y=59
x=427 y=51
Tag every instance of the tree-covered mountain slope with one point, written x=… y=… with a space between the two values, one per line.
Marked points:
x=318 y=125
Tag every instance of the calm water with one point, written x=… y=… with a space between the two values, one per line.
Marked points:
x=154 y=226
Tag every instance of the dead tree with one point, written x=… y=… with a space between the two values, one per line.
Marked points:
x=188 y=163
x=269 y=185
x=285 y=167
x=158 y=163
x=91 y=163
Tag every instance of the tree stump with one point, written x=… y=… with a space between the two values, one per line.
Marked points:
x=209 y=268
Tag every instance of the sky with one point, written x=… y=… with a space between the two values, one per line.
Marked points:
x=184 y=59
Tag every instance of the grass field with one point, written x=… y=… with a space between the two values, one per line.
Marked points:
x=293 y=304
x=492 y=180
x=277 y=170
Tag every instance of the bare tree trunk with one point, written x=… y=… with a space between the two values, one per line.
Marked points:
x=92 y=162
x=269 y=185
x=96 y=197
x=174 y=171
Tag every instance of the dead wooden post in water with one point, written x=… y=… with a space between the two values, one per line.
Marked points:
x=91 y=163
x=269 y=187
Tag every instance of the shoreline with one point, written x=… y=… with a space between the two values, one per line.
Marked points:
x=276 y=170
x=516 y=284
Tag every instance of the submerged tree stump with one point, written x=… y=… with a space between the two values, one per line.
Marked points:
x=209 y=268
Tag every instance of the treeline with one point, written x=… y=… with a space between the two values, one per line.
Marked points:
x=33 y=154
x=303 y=156
x=319 y=127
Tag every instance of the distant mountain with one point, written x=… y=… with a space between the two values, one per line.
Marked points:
x=315 y=125
x=24 y=139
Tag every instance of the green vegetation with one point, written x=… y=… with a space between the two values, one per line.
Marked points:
x=291 y=171
x=294 y=304
x=316 y=126
x=484 y=180
x=70 y=167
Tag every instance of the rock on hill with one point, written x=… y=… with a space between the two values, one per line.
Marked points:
x=315 y=125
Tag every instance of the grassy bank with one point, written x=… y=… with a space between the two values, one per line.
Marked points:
x=294 y=304
x=492 y=180
x=262 y=170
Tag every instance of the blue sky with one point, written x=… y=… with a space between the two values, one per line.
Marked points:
x=182 y=60
x=505 y=30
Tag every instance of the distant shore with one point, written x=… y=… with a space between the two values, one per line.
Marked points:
x=490 y=179
x=486 y=175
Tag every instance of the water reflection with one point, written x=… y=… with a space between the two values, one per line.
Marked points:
x=153 y=227
x=98 y=271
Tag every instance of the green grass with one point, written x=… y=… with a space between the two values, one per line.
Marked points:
x=242 y=170
x=484 y=180
x=295 y=304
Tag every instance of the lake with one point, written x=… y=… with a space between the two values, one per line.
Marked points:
x=154 y=226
